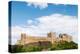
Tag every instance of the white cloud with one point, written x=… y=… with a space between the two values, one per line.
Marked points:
x=75 y=2
x=56 y=22
x=40 y=5
x=44 y=3
x=29 y=22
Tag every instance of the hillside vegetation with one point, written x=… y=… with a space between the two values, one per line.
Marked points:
x=50 y=47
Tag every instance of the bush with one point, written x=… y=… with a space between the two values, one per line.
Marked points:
x=31 y=48
x=57 y=46
x=64 y=45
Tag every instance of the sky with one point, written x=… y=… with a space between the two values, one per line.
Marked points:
x=37 y=19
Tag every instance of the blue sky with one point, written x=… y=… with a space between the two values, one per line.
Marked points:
x=21 y=12
x=37 y=19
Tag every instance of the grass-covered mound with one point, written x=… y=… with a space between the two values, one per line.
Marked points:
x=43 y=47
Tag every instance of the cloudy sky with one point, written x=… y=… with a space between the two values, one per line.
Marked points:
x=38 y=19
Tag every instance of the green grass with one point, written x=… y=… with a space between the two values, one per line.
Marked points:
x=31 y=48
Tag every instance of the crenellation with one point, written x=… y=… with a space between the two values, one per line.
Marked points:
x=51 y=37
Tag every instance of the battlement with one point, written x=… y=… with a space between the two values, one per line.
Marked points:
x=51 y=37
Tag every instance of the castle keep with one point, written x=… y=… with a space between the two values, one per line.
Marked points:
x=51 y=37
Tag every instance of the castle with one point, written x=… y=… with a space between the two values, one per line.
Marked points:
x=51 y=37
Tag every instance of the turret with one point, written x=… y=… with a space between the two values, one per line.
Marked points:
x=23 y=38
x=52 y=37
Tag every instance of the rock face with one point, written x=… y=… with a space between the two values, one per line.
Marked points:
x=51 y=37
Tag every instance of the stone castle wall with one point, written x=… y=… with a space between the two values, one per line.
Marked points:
x=51 y=37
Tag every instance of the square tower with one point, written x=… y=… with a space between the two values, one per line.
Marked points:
x=52 y=37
